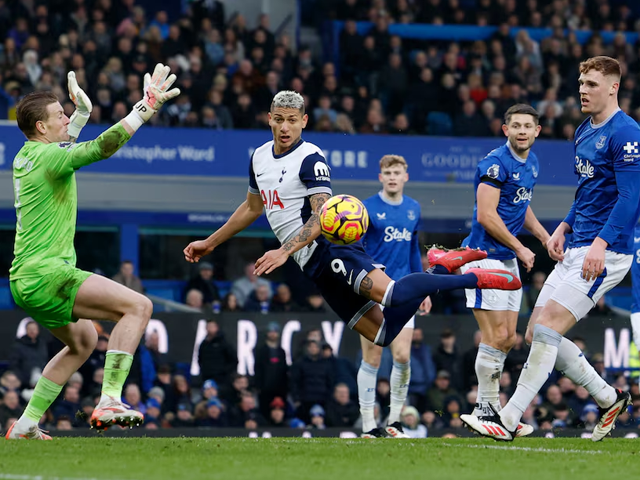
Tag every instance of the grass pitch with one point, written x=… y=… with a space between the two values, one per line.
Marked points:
x=299 y=458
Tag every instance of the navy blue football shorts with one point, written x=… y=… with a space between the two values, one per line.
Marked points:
x=338 y=271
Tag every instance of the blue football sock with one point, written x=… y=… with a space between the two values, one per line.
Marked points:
x=404 y=297
x=417 y=286
x=438 y=270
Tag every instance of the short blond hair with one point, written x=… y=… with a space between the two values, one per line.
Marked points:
x=391 y=160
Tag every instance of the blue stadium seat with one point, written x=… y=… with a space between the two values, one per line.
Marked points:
x=439 y=123
x=6 y=300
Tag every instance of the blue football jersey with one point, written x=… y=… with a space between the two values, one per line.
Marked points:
x=635 y=272
x=392 y=236
x=607 y=201
x=515 y=178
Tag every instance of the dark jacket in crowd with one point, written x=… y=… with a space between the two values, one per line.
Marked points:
x=209 y=289
x=271 y=371
x=338 y=415
x=312 y=380
x=218 y=360
x=26 y=356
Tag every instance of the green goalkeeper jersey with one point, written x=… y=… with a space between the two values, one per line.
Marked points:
x=46 y=199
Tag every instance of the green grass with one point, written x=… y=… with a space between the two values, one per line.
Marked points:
x=296 y=458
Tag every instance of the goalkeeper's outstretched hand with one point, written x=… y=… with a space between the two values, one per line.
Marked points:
x=77 y=95
x=156 y=87
x=83 y=107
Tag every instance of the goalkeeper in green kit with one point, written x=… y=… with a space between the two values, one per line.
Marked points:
x=43 y=277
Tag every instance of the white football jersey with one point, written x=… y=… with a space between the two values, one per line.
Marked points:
x=285 y=183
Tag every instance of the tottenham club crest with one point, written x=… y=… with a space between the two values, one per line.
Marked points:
x=493 y=171
x=411 y=215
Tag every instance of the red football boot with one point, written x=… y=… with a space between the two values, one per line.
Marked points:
x=495 y=279
x=452 y=260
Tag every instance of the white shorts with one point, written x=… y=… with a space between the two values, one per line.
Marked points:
x=566 y=286
x=494 y=300
x=410 y=324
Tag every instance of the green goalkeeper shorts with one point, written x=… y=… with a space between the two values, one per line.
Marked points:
x=49 y=297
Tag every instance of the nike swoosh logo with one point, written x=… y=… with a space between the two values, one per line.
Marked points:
x=350 y=275
x=504 y=275
x=260 y=174
x=457 y=258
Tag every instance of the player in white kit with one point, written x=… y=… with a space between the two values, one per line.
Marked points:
x=290 y=179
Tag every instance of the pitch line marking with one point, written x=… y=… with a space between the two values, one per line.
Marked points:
x=531 y=449
x=11 y=476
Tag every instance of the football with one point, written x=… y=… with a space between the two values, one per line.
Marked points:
x=343 y=219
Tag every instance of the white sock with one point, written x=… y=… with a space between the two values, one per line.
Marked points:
x=542 y=358
x=367 y=378
x=399 y=385
x=572 y=363
x=635 y=327
x=489 y=365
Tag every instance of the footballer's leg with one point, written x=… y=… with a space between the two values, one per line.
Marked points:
x=403 y=297
x=553 y=322
x=80 y=339
x=498 y=337
x=400 y=378
x=367 y=381
x=102 y=298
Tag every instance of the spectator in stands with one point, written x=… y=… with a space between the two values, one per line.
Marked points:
x=213 y=416
x=315 y=304
x=133 y=397
x=277 y=413
x=469 y=123
x=423 y=370
x=230 y=303
x=271 y=371
x=517 y=357
x=9 y=382
x=436 y=396
x=312 y=380
x=469 y=378
x=204 y=283
x=447 y=357
x=243 y=287
x=282 y=301
x=341 y=411
x=29 y=355
x=195 y=299
x=246 y=415
x=317 y=415
x=181 y=393
x=184 y=417
x=259 y=300
x=344 y=370
x=10 y=407
x=152 y=343
x=411 y=422
x=239 y=385
x=217 y=357
x=68 y=403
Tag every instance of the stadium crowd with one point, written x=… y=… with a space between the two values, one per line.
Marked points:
x=382 y=83
x=317 y=390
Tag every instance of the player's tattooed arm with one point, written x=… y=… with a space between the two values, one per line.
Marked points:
x=311 y=229
x=309 y=232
